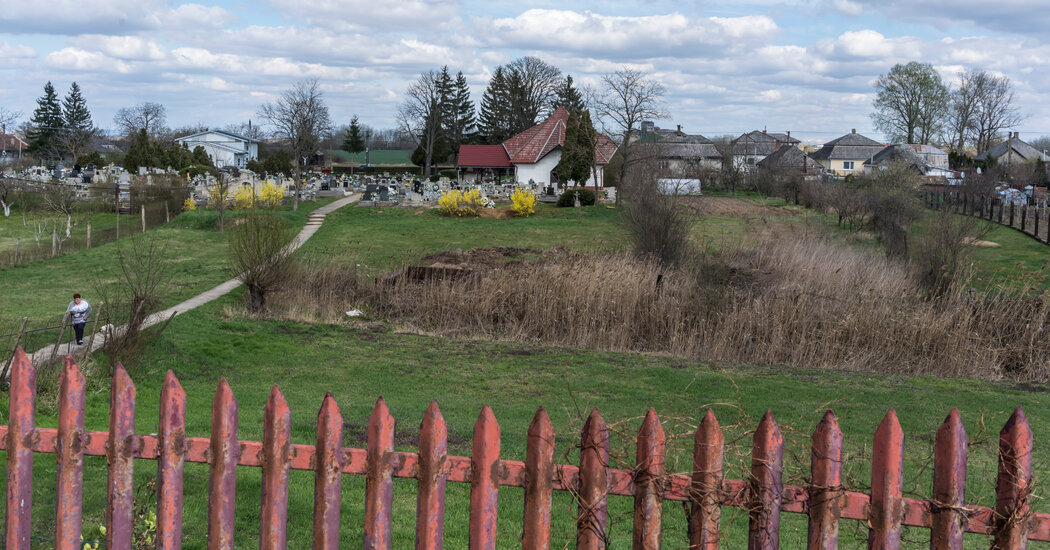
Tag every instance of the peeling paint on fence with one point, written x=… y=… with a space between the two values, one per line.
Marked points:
x=1011 y=523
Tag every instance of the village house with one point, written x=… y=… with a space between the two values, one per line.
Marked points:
x=1013 y=151
x=791 y=159
x=846 y=155
x=533 y=154
x=12 y=148
x=748 y=149
x=224 y=148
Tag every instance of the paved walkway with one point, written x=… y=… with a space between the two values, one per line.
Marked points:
x=313 y=223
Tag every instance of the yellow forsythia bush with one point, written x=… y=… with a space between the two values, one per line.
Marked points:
x=243 y=198
x=270 y=196
x=190 y=205
x=217 y=194
x=523 y=202
x=460 y=204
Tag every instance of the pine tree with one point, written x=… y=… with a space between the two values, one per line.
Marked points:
x=140 y=153
x=46 y=125
x=354 y=142
x=76 y=122
x=568 y=97
x=577 y=153
x=460 y=117
x=495 y=108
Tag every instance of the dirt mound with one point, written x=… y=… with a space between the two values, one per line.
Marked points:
x=455 y=264
x=731 y=207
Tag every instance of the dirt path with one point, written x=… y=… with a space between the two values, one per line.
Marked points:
x=313 y=223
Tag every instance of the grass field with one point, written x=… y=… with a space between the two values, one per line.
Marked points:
x=362 y=360
x=359 y=363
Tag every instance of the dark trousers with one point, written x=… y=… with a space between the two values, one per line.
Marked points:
x=79 y=329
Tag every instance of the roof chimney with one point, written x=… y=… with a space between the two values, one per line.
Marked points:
x=763 y=129
x=1017 y=135
x=854 y=131
x=776 y=146
x=679 y=132
x=789 y=133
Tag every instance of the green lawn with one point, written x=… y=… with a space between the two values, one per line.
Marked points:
x=360 y=363
x=196 y=252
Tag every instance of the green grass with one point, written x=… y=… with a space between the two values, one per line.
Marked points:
x=196 y=253
x=386 y=238
x=360 y=363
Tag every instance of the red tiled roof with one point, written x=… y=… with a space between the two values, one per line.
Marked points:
x=535 y=143
x=9 y=141
x=483 y=156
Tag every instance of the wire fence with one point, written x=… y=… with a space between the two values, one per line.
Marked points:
x=60 y=336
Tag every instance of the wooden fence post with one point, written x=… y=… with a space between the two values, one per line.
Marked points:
x=887 y=480
x=594 y=484
x=648 y=483
x=120 y=491
x=143 y=218
x=825 y=491
x=484 y=482
x=539 y=483
x=705 y=492
x=11 y=360
x=88 y=234
x=949 y=485
x=1011 y=213
x=222 y=477
x=767 y=461
x=1013 y=485
x=379 y=484
x=328 y=481
x=1024 y=218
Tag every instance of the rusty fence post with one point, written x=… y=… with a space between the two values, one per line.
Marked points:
x=61 y=333
x=379 y=484
x=649 y=483
x=767 y=462
x=21 y=421
x=170 y=463
x=887 y=480
x=594 y=484
x=222 y=475
x=120 y=491
x=70 y=450
x=328 y=481
x=433 y=477
x=1013 y=484
x=276 y=463
x=484 y=482
x=949 y=485
x=705 y=490
x=825 y=490
x=539 y=483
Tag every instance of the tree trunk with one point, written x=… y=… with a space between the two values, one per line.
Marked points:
x=258 y=299
x=69 y=223
x=7 y=208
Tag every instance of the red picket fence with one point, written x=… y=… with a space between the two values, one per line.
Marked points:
x=1011 y=522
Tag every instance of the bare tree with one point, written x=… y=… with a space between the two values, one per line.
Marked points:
x=300 y=117
x=964 y=108
x=533 y=85
x=910 y=103
x=261 y=255
x=996 y=110
x=626 y=98
x=63 y=200
x=8 y=189
x=147 y=116
x=419 y=115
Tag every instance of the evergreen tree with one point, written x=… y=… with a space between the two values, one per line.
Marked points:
x=45 y=127
x=140 y=153
x=354 y=142
x=577 y=153
x=495 y=108
x=460 y=117
x=568 y=97
x=78 y=128
x=201 y=158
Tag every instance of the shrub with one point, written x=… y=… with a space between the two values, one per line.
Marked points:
x=219 y=196
x=260 y=255
x=244 y=197
x=271 y=195
x=190 y=205
x=450 y=174
x=523 y=202
x=461 y=203
x=568 y=197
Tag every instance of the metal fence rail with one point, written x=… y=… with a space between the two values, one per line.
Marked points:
x=1033 y=221
x=1011 y=522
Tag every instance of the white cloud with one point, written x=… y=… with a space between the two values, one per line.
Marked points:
x=122 y=47
x=366 y=14
x=848 y=7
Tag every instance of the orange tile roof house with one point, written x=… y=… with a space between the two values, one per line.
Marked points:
x=535 y=152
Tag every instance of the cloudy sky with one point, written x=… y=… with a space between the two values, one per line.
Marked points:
x=728 y=65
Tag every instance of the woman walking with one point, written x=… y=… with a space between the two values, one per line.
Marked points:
x=78 y=311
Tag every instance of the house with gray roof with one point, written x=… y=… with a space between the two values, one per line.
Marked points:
x=846 y=155
x=1013 y=151
x=224 y=148
x=896 y=154
x=749 y=148
x=791 y=159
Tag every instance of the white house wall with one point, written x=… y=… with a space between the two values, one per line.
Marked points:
x=540 y=173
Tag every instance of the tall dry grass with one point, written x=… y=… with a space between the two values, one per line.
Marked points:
x=808 y=303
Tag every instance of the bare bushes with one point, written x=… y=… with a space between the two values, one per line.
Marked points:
x=940 y=251
x=808 y=303
x=658 y=228
x=136 y=293
x=323 y=292
x=260 y=255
